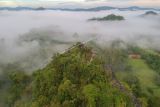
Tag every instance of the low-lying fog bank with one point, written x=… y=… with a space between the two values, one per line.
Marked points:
x=28 y=39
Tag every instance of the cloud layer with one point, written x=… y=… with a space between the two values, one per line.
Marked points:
x=28 y=39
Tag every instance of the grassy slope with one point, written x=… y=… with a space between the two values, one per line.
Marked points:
x=144 y=74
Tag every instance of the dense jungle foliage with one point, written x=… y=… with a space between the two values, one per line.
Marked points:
x=84 y=76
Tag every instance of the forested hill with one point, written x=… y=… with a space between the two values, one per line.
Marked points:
x=110 y=17
x=76 y=78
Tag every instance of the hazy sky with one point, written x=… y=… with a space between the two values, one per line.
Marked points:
x=76 y=3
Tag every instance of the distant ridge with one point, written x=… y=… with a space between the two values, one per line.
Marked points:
x=151 y=13
x=16 y=8
x=100 y=8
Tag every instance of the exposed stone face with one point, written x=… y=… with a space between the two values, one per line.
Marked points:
x=135 y=56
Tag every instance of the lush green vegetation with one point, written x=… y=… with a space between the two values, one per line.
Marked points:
x=143 y=77
x=110 y=17
x=153 y=60
x=76 y=78
x=85 y=77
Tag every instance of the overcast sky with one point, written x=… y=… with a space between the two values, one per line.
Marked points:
x=79 y=3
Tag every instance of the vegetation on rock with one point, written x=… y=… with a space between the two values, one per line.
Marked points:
x=110 y=17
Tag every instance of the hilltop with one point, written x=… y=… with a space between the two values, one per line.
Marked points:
x=86 y=75
x=110 y=17
x=151 y=13
x=75 y=78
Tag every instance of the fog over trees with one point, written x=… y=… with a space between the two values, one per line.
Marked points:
x=24 y=33
x=53 y=58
